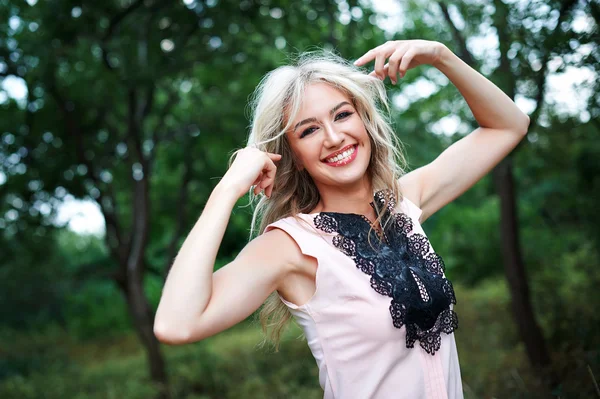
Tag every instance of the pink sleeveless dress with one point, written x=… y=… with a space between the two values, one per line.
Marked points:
x=380 y=323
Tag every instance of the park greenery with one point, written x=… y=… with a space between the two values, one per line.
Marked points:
x=136 y=105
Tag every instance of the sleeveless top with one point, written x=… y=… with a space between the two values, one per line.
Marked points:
x=380 y=323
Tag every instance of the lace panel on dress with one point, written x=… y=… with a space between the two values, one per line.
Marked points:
x=402 y=266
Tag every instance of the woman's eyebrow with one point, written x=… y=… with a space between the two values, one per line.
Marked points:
x=311 y=120
x=340 y=105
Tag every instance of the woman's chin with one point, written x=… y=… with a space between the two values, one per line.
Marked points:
x=343 y=176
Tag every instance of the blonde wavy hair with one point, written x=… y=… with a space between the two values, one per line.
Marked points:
x=274 y=106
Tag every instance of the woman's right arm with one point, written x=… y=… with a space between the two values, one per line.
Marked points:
x=196 y=303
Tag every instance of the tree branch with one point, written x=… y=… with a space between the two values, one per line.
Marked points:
x=541 y=77
x=504 y=78
x=140 y=227
x=119 y=17
x=463 y=52
x=112 y=26
x=166 y=109
x=148 y=102
x=74 y=130
x=133 y=125
x=141 y=199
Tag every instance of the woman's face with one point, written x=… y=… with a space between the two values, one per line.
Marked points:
x=329 y=138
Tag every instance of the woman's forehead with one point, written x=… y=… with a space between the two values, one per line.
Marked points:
x=318 y=100
x=321 y=92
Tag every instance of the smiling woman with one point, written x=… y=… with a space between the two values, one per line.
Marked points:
x=332 y=144
x=328 y=107
x=351 y=263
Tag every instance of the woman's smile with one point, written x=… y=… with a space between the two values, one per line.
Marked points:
x=328 y=133
x=342 y=157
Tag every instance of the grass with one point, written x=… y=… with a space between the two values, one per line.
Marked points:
x=52 y=364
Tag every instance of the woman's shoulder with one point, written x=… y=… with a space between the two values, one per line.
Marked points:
x=293 y=225
x=410 y=208
x=300 y=230
x=410 y=190
x=294 y=221
x=275 y=246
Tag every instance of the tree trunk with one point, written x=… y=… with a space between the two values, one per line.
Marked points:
x=143 y=321
x=134 y=267
x=514 y=267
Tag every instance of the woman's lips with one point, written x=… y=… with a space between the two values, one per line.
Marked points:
x=344 y=161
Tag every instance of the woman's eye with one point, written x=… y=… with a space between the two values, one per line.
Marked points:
x=308 y=131
x=343 y=115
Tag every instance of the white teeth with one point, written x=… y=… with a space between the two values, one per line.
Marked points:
x=341 y=156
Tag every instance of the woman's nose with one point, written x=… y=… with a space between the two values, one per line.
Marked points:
x=333 y=138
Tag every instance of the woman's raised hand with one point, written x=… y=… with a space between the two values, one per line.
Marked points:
x=401 y=55
x=252 y=167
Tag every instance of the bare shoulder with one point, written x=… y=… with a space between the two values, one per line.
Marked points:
x=242 y=285
x=410 y=186
x=275 y=248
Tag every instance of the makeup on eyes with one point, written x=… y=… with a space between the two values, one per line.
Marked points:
x=342 y=115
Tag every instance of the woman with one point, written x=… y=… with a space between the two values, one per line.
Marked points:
x=354 y=268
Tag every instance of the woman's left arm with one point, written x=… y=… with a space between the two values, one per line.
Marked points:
x=501 y=124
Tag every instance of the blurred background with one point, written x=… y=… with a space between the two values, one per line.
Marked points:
x=117 y=118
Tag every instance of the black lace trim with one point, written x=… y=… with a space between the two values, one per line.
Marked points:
x=401 y=267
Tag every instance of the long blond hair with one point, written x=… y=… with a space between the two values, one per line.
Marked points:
x=275 y=105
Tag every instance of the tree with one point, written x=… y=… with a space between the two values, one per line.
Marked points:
x=134 y=105
x=524 y=54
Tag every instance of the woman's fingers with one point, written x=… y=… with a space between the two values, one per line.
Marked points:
x=273 y=157
x=365 y=58
x=258 y=179
x=384 y=52
x=399 y=56
x=385 y=72
x=394 y=63
x=371 y=54
x=252 y=170
x=379 y=65
x=266 y=178
x=269 y=179
x=269 y=191
x=407 y=57
x=397 y=64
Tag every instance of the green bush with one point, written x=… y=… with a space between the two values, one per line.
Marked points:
x=54 y=364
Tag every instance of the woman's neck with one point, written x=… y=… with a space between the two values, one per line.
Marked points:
x=355 y=199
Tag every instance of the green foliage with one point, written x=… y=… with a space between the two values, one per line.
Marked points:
x=96 y=309
x=493 y=362
x=32 y=278
x=37 y=350
x=454 y=230
x=113 y=84
x=229 y=364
